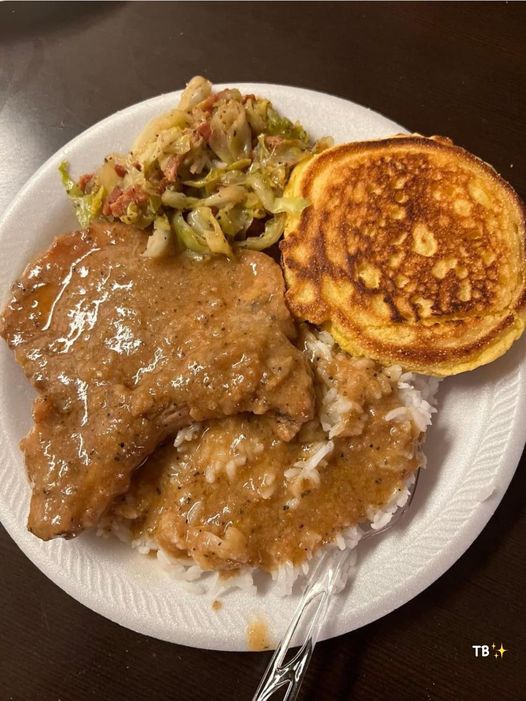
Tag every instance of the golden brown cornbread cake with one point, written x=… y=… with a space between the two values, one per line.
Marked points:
x=412 y=252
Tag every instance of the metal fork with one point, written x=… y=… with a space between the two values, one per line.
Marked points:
x=329 y=577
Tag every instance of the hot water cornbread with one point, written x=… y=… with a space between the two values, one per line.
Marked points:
x=412 y=252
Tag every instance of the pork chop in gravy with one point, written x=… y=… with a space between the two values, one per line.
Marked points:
x=124 y=350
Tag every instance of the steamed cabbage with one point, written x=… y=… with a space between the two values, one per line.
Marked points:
x=207 y=176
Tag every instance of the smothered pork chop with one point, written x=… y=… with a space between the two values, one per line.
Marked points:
x=125 y=350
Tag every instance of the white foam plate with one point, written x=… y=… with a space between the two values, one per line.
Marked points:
x=473 y=447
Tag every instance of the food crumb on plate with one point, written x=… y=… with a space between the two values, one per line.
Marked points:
x=258 y=637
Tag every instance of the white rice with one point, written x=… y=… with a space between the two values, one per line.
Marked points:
x=187 y=434
x=304 y=473
x=417 y=392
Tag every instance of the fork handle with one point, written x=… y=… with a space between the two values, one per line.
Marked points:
x=313 y=607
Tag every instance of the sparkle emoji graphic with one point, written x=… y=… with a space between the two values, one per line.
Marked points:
x=499 y=651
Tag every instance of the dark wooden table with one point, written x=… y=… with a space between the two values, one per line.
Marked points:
x=457 y=69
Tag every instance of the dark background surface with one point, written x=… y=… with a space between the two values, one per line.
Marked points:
x=457 y=69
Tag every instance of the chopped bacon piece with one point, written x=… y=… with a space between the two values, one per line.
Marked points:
x=109 y=201
x=84 y=181
x=207 y=104
x=171 y=168
x=117 y=203
x=204 y=130
x=120 y=170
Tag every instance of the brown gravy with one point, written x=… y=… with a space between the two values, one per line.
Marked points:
x=237 y=495
x=258 y=637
